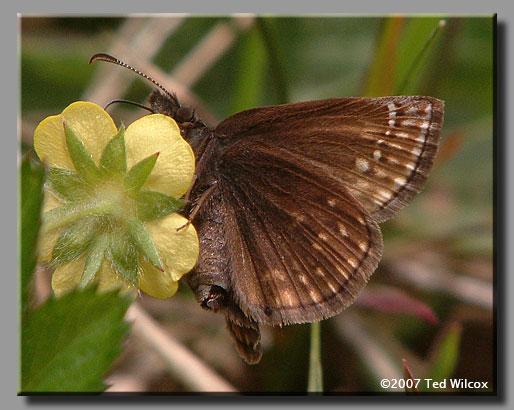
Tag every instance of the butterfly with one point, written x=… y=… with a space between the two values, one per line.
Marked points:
x=287 y=201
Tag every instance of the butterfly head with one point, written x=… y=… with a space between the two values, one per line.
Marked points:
x=165 y=102
x=169 y=105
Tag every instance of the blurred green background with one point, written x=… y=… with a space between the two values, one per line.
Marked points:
x=438 y=252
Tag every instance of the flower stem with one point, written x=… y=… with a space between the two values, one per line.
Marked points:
x=315 y=383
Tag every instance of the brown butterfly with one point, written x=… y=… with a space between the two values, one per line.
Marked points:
x=287 y=200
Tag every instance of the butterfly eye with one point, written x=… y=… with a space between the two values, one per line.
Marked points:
x=184 y=114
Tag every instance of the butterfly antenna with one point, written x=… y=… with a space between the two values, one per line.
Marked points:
x=114 y=60
x=144 y=107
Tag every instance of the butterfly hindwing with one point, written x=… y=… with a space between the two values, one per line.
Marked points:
x=301 y=246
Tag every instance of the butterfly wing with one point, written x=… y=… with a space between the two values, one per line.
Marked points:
x=301 y=246
x=305 y=185
x=380 y=149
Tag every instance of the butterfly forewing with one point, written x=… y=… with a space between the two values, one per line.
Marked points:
x=381 y=149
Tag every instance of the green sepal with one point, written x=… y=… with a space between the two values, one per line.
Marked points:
x=94 y=259
x=67 y=185
x=139 y=173
x=140 y=238
x=124 y=256
x=153 y=205
x=114 y=156
x=72 y=212
x=81 y=158
x=73 y=242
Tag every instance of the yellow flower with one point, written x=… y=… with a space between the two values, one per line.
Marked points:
x=111 y=199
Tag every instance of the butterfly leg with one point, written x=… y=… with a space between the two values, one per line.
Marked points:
x=199 y=204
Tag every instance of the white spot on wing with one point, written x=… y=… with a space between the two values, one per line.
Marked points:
x=385 y=194
x=421 y=138
x=392 y=110
x=392 y=144
x=316 y=297
x=409 y=123
x=401 y=181
x=332 y=287
x=353 y=262
x=317 y=246
x=323 y=236
x=402 y=135
x=362 y=164
x=344 y=273
x=342 y=229
x=377 y=154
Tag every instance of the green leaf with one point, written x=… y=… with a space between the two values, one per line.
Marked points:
x=73 y=242
x=382 y=74
x=32 y=180
x=94 y=259
x=69 y=343
x=140 y=238
x=81 y=158
x=445 y=358
x=67 y=185
x=124 y=257
x=268 y=30
x=114 y=157
x=252 y=63
x=415 y=44
x=138 y=174
x=153 y=205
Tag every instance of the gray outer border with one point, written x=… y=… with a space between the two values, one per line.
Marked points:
x=504 y=170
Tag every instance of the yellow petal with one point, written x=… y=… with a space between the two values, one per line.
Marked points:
x=67 y=276
x=156 y=283
x=89 y=121
x=178 y=249
x=175 y=166
x=178 y=252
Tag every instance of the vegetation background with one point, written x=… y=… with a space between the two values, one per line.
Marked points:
x=431 y=299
